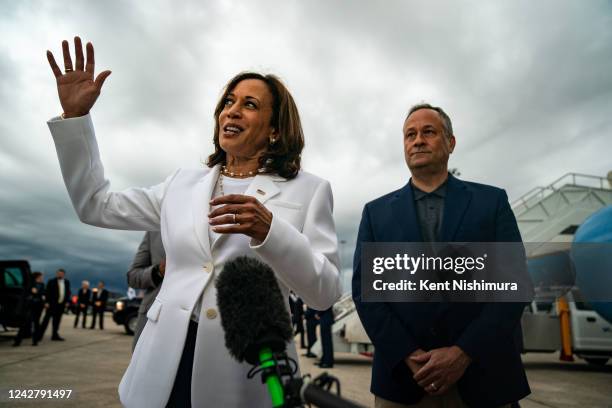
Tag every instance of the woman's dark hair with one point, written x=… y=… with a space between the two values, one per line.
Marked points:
x=284 y=156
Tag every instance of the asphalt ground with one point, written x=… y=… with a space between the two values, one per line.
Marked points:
x=90 y=363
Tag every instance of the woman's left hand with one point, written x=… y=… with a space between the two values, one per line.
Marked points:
x=240 y=214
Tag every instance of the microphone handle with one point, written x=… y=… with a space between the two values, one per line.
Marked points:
x=275 y=387
x=313 y=394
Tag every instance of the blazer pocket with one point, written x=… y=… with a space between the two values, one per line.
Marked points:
x=285 y=204
x=154 y=311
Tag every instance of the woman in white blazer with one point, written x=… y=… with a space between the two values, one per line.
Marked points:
x=253 y=200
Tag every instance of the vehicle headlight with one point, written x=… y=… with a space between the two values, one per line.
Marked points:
x=119 y=305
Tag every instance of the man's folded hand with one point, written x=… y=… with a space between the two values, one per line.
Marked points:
x=441 y=368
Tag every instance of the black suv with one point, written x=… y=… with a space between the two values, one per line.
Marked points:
x=126 y=313
x=15 y=284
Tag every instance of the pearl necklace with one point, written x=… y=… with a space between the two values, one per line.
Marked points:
x=229 y=173
x=220 y=185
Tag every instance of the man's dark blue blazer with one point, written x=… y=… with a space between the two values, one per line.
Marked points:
x=488 y=332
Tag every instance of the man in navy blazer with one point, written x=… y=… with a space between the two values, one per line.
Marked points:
x=440 y=354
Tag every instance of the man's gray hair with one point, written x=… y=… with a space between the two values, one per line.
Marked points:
x=446 y=121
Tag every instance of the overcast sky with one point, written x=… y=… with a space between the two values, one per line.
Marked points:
x=527 y=84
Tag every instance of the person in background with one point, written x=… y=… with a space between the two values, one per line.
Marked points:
x=311 y=330
x=147 y=272
x=326 y=321
x=35 y=302
x=98 y=301
x=57 y=295
x=38 y=303
x=297 y=317
x=83 y=300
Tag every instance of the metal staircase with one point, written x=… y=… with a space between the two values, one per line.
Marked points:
x=552 y=213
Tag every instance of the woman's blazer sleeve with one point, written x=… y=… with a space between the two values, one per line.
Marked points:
x=79 y=158
x=307 y=261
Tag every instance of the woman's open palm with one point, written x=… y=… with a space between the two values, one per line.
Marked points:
x=77 y=88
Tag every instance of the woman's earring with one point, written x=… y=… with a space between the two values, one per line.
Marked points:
x=272 y=140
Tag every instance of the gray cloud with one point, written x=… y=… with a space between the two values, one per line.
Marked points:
x=527 y=85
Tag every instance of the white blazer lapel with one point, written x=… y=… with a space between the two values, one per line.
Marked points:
x=202 y=193
x=263 y=187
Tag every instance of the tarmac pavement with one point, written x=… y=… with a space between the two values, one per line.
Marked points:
x=91 y=363
x=553 y=383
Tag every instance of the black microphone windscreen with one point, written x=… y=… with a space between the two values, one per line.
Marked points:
x=252 y=309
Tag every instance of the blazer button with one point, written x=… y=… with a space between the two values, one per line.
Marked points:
x=211 y=313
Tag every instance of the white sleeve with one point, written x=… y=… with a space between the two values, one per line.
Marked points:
x=307 y=262
x=79 y=158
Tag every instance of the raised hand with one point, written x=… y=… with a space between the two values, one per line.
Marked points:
x=77 y=88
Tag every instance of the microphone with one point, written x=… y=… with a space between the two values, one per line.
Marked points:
x=257 y=329
x=254 y=318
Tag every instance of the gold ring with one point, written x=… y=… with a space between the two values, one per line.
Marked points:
x=234 y=215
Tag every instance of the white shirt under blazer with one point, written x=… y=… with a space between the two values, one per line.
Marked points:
x=301 y=248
